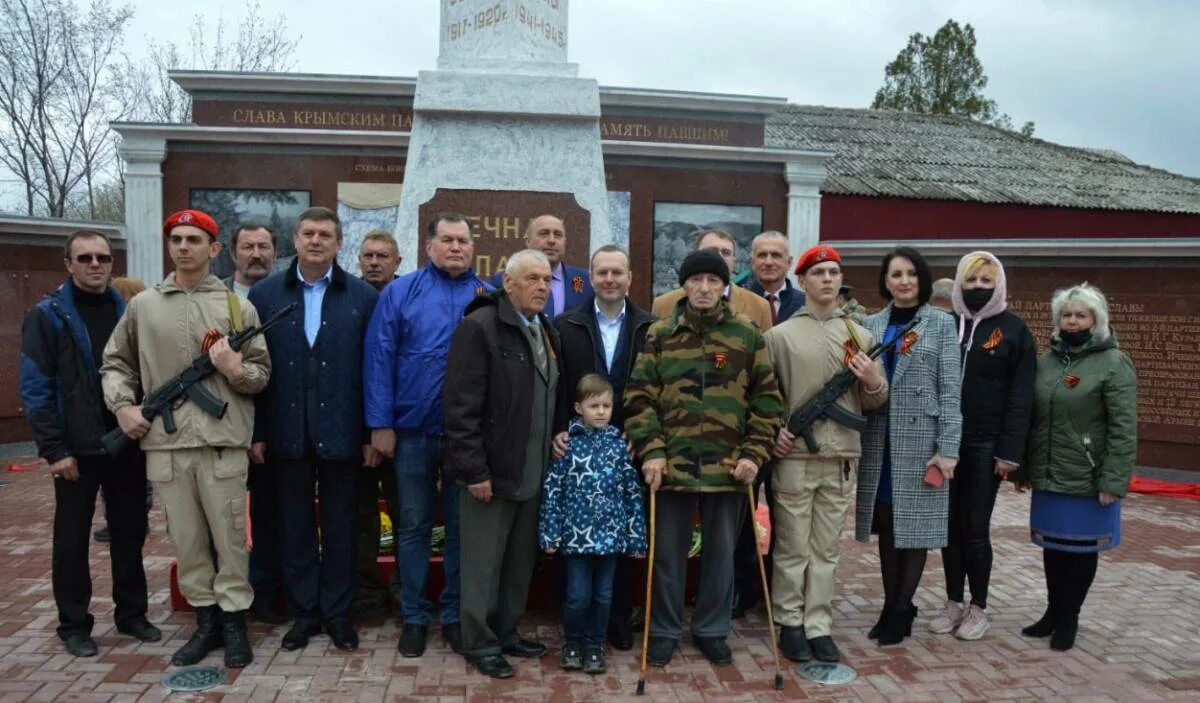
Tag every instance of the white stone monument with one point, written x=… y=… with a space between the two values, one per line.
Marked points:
x=504 y=111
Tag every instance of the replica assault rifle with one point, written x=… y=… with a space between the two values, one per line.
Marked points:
x=186 y=386
x=824 y=403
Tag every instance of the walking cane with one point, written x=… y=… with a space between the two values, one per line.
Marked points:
x=641 y=685
x=762 y=572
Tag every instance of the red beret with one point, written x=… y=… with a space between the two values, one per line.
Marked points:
x=816 y=255
x=194 y=218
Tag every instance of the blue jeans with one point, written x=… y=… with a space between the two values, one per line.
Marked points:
x=589 y=596
x=418 y=466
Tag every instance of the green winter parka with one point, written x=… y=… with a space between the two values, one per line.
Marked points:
x=1083 y=440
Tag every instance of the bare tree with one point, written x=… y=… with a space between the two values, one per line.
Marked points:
x=258 y=45
x=54 y=97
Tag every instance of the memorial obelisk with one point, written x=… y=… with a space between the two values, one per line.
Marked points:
x=504 y=112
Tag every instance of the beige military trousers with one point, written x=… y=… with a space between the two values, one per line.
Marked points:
x=810 y=501
x=203 y=493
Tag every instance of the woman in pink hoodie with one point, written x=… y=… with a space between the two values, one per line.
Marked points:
x=999 y=362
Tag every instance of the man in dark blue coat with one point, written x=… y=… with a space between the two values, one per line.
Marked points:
x=309 y=425
x=61 y=346
x=769 y=264
x=569 y=285
x=404 y=371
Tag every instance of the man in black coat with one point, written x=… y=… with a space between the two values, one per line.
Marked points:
x=603 y=336
x=499 y=397
x=61 y=346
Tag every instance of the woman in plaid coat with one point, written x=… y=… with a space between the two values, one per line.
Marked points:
x=910 y=451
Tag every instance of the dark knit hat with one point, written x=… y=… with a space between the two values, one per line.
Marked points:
x=704 y=261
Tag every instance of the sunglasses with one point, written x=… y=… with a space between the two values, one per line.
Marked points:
x=87 y=258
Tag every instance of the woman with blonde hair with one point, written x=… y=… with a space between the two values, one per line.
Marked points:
x=999 y=360
x=1080 y=453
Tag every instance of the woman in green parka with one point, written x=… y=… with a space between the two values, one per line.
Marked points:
x=1079 y=455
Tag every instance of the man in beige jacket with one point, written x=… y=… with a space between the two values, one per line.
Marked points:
x=199 y=470
x=812 y=491
x=741 y=300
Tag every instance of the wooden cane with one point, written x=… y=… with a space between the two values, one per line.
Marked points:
x=641 y=684
x=762 y=572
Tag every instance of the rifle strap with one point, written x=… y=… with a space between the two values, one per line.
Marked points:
x=853 y=335
x=235 y=311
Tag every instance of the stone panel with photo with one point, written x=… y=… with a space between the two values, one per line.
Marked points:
x=232 y=207
x=677 y=224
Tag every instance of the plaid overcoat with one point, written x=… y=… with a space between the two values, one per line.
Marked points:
x=924 y=419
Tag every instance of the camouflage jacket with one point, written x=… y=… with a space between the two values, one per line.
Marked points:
x=703 y=392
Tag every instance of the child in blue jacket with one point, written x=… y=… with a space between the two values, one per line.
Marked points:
x=591 y=513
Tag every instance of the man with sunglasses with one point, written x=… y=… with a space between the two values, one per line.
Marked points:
x=61 y=346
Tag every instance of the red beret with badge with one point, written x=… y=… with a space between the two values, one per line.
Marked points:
x=816 y=255
x=194 y=218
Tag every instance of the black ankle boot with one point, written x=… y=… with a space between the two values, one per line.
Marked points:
x=1065 y=629
x=873 y=633
x=237 y=645
x=205 y=639
x=1043 y=627
x=896 y=625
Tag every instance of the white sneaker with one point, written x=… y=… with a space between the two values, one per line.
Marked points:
x=974 y=624
x=948 y=620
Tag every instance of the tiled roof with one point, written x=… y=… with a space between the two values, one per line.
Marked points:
x=899 y=154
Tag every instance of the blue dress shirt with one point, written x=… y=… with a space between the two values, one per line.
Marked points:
x=314 y=297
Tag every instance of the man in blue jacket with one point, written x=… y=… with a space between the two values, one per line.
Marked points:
x=309 y=425
x=61 y=346
x=404 y=368
x=570 y=286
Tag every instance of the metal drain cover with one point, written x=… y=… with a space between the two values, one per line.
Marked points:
x=825 y=673
x=194 y=678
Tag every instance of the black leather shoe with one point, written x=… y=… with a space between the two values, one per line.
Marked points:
x=571 y=657
x=297 y=637
x=823 y=649
x=141 y=630
x=205 y=639
x=793 y=643
x=493 y=665
x=80 y=645
x=412 y=640
x=237 y=646
x=102 y=535
x=452 y=632
x=660 y=650
x=714 y=649
x=265 y=611
x=526 y=649
x=342 y=634
x=593 y=661
x=620 y=635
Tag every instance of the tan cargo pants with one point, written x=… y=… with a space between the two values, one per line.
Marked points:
x=203 y=493
x=811 y=497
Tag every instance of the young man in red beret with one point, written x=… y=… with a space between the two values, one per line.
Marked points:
x=199 y=471
x=811 y=491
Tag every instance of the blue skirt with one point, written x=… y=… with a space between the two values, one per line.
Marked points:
x=1068 y=523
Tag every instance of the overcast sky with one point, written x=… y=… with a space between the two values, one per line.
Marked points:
x=1095 y=73
x=1108 y=74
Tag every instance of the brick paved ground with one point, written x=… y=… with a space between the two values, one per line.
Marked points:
x=1139 y=638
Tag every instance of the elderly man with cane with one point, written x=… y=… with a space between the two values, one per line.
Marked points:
x=702 y=409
